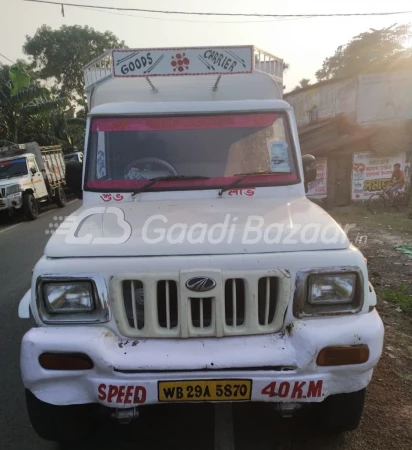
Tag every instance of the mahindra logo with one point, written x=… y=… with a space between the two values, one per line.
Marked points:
x=200 y=284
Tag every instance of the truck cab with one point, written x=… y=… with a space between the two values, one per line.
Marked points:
x=196 y=269
x=29 y=176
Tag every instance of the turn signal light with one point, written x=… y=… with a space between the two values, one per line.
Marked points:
x=343 y=355
x=65 y=361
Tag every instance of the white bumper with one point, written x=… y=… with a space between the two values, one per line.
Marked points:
x=14 y=201
x=127 y=372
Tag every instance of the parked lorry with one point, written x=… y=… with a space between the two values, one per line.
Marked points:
x=75 y=156
x=196 y=269
x=29 y=176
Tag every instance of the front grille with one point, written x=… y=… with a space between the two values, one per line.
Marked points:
x=167 y=304
x=2 y=192
x=133 y=295
x=201 y=312
x=267 y=297
x=239 y=304
x=235 y=302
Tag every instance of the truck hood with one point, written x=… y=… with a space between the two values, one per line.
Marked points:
x=196 y=227
x=9 y=181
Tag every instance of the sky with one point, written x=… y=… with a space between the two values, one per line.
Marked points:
x=303 y=43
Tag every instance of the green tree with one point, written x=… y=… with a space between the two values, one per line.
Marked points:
x=25 y=108
x=371 y=51
x=303 y=83
x=61 y=54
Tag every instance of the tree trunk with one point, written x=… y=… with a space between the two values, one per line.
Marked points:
x=409 y=214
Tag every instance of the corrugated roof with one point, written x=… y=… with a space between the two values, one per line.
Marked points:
x=331 y=135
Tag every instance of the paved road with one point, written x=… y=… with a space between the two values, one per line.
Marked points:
x=245 y=427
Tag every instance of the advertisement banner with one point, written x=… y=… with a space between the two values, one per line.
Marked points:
x=182 y=61
x=319 y=187
x=371 y=173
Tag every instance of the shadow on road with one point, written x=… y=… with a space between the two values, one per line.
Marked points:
x=256 y=427
x=8 y=219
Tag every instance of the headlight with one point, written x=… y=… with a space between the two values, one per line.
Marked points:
x=66 y=298
x=328 y=291
x=331 y=289
x=78 y=300
x=14 y=189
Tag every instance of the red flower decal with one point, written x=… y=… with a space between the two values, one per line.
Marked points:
x=106 y=197
x=180 y=62
x=118 y=197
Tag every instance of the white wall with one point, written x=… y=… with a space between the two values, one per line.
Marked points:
x=385 y=97
x=330 y=100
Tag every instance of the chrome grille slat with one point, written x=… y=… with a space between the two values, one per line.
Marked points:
x=134 y=304
x=267 y=301
x=167 y=305
x=201 y=312
x=234 y=303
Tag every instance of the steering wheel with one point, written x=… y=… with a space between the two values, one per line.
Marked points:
x=158 y=161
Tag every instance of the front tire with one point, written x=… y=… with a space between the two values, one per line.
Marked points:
x=377 y=204
x=342 y=412
x=30 y=207
x=60 y=197
x=401 y=202
x=60 y=423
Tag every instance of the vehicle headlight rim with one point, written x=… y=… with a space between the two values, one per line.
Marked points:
x=301 y=306
x=99 y=292
x=48 y=305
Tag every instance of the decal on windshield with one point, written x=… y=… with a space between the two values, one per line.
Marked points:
x=279 y=158
x=101 y=156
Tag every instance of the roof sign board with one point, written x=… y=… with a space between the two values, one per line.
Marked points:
x=183 y=61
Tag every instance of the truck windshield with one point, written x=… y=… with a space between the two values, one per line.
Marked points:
x=13 y=168
x=190 y=152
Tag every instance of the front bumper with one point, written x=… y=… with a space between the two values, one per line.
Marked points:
x=14 y=201
x=127 y=372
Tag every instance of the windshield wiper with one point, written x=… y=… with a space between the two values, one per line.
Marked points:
x=153 y=181
x=243 y=176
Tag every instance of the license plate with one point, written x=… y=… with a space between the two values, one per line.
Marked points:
x=205 y=390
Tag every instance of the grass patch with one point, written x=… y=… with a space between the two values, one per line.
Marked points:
x=360 y=215
x=399 y=297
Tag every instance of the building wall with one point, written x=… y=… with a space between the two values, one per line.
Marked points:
x=324 y=101
x=373 y=100
x=384 y=98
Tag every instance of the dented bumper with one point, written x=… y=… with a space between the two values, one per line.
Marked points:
x=278 y=367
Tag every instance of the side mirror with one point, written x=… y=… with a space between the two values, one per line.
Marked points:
x=309 y=170
x=74 y=171
x=33 y=170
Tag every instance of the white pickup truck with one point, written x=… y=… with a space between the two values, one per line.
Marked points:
x=196 y=269
x=29 y=176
